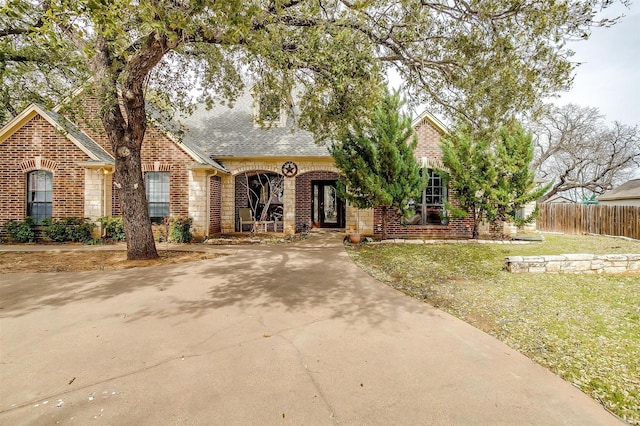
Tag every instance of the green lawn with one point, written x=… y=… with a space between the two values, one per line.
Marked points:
x=586 y=328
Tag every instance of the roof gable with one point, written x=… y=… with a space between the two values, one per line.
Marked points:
x=431 y=119
x=87 y=145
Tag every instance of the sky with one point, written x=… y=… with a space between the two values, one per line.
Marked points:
x=609 y=75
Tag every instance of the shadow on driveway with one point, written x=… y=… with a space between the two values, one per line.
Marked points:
x=306 y=276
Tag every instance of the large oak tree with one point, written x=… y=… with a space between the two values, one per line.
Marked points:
x=472 y=58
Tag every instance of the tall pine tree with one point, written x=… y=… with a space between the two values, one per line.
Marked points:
x=490 y=173
x=473 y=174
x=377 y=161
x=515 y=186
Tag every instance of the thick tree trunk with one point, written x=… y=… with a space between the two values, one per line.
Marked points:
x=126 y=142
x=133 y=202
x=126 y=132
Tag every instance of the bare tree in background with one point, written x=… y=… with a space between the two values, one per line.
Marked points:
x=580 y=153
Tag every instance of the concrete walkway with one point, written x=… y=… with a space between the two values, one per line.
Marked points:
x=290 y=334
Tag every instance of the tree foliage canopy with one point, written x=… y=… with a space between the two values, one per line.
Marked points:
x=490 y=173
x=377 y=162
x=476 y=59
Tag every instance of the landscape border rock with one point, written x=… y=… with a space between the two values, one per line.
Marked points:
x=577 y=263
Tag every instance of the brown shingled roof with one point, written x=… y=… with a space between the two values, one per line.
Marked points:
x=628 y=190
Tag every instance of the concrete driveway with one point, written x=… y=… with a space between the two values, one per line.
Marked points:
x=292 y=334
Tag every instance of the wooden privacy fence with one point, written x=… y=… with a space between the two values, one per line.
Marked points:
x=590 y=219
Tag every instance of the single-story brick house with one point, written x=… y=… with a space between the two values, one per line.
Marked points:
x=211 y=166
x=627 y=194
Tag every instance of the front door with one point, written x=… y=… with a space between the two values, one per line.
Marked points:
x=327 y=208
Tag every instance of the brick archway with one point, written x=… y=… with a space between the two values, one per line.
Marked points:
x=304 y=195
x=260 y=190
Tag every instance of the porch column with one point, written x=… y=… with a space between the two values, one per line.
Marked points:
x=94 y=202
x=289 y=197
x=198 y=201
x=97 y=195
x=227 y=209
x=359 y=219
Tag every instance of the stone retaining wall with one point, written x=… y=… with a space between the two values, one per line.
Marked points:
x=575 y=263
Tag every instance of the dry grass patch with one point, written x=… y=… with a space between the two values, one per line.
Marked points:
x=586 y=328
x=83 y=260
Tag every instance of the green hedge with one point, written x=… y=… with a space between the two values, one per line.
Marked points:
x=21 y=231
x=181 y=229
x=72 y=229
x=113 y=228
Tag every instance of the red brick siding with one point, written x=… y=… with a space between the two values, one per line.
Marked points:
x=89 y=120
x=68 y=177
x=304 y=195
x=159 y=148
x=428 y=141
x=215 y=205
x=456 y=229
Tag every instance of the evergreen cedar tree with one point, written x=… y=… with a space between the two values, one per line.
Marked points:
x=377 y=162
x=481 y=61
x=491 y=174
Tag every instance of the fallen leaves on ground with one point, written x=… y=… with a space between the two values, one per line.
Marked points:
x=586 y=328
x=89 y=260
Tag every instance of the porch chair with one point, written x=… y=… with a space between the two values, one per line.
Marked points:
x=246 y=217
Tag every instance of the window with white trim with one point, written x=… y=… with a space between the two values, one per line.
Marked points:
x=39 y=195
x=158 y=195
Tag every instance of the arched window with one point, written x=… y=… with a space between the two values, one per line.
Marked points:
x=39 y=194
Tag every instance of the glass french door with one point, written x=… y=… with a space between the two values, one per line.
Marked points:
x=327 y=208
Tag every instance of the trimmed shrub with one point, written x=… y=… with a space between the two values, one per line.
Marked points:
x=181 y=229
x=55 y=230
x=79 y=230
x=113 y=228
x=75 y=229
x=21 y=231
